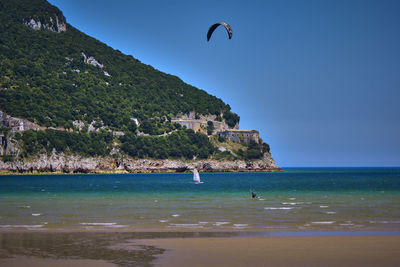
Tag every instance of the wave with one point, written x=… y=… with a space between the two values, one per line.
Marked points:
x=186 y=225
x=325 y=222
x=278 y=208
x=240 y=225
x=98 y=224
x=385 y=222
x=221 y=223
x=292 y=203
x=21 y=226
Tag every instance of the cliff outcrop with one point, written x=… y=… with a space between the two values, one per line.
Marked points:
x=61 y=163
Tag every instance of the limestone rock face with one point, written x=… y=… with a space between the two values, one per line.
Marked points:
x=75 y=164
x=92 y=61
x=54 y=26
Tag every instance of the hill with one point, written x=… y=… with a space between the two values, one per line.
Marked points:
x=85 y=98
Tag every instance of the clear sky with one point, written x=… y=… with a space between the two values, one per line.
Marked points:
x=319 y=79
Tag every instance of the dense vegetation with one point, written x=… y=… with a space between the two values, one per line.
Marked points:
x=253 y=151
x=43 y=77
x=183 y=143
x=84 y=144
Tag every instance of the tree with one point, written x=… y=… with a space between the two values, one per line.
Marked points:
x=210 y=127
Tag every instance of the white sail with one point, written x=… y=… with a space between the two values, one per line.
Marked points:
x=196 y=176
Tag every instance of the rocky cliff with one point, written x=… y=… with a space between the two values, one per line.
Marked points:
x=74 y=164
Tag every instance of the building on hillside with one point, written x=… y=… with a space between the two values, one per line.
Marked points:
x=241 y=136
x=17 y=124
x=220 y=128
x=196 y=125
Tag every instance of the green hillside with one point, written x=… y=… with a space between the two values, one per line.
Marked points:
x=44 y=77
x=56 y=75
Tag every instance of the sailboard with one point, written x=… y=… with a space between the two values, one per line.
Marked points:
x=196 y=177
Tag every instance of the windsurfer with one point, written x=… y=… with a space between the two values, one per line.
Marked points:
x=196 y=176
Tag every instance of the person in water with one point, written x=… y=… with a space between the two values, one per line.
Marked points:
x=253 y=195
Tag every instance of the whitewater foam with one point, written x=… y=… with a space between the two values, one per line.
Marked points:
x=186 y=225
x=240 y=225
x=221 y=223
x=278 y=208
x=98 y=224
x=292 y=203
x=21 y=226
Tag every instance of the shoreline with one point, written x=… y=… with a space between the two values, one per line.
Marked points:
x=162 y=233
x=7 y=172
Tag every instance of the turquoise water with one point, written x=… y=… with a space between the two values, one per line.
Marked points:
x=297 y=199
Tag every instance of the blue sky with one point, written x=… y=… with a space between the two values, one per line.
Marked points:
x=319 y=79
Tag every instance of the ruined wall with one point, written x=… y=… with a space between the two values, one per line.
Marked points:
x=241 y=136
x=189 y=121
x=17 y=124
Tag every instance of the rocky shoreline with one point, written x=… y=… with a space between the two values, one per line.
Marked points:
x=60 y=163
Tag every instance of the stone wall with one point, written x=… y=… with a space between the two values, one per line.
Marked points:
x=17 y=124
x=189 y=121
x=241 y=136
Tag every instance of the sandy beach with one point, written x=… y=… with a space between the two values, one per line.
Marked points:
x=280 y=251
x=194 y=249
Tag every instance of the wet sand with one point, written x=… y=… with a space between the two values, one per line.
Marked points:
x=196 y=249
x=39 y=262
x=280 y=251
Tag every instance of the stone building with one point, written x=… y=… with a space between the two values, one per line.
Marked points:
x=241 y=136
x=3 y=144
x=222 y=129
x=17 y=124
x=190 y=121
x=195 y=125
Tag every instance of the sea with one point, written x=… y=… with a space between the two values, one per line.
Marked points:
x=297 y=199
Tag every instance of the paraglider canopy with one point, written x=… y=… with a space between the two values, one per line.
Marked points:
x=213 y=27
